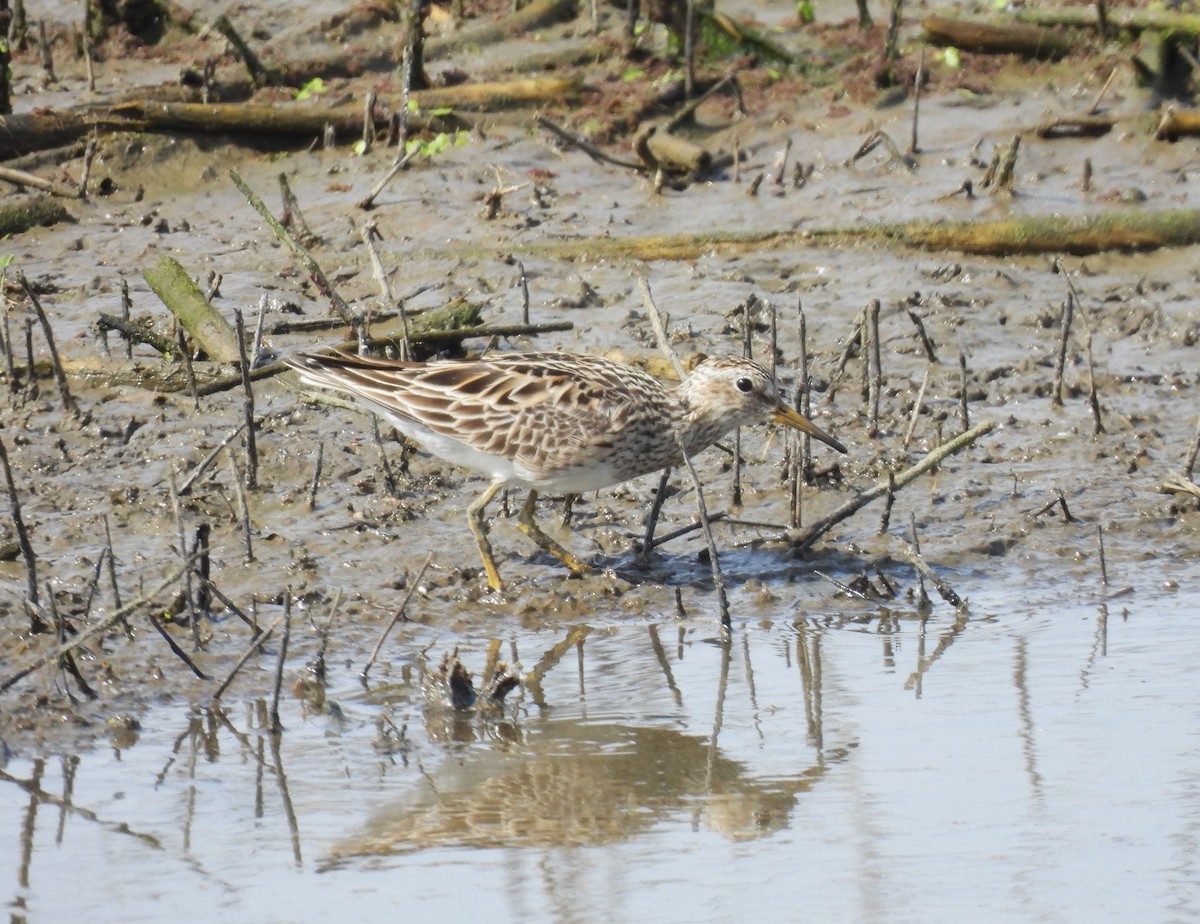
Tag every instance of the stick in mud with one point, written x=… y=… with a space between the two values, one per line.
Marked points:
x=189 y=598
x=923 y=601
x=926 y=343
x=191 y=370
x=875 y=377
x=916 y=412
x=112 y=574
x=93 y=630
x=1068 y=314
x=200 y=469
x=524 y=280
x=66 y=660
x=247 y=403
x=913 y=149
x=276 y=727
x=64 y=389
x=250 y=649
x=963 y=412
x=243 y=508
x=648 y=543
x=389 y=478
x=396 y=617
x=1103 y=563
x=316 y=478
x=1190 y=462
x=887 y=504
x=804 y=539
x=324 y=286
x=941 y=586
x=9 y=361
x=35 y=622
x=1085 y=182
x=291 y=217
x=174 y=646
x=852 y=342
x=89 y=154
x=126 y=309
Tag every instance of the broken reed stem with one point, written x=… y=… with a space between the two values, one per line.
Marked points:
x=316 y=478
x=887 y=505
x=14 y=501
x=396 y=617
x=247 y=404
x=943 y=587
x=660 y=497
x=1093 y=394
x=67 y=661
x=804 y=539
x=524 y=280
x=188 y=597
x=60 y=375
x=112 y=573
x=174 y=646
x=389 y=478
x=191 y=371
x=804 y=402
x=917 y=81
x=747 y=352
x=200 y=469
x=276 y=727
x=926 y=343
x=310 y=265
x=706 y=527
x=291 y=217
x=10 y=368
x=1103 y=563
x=923 y=600
x=1068 y=314
x=250 y=649
x=660 y=330
x=852 y=341
x=916 y=412
x=367 y=202
x=369 y=232
x=1190 y=463
x=875 y=376
x=963 y=412
x=243 y=508
x=92 y=631
x=126 y=309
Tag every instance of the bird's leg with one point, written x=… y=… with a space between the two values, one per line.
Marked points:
x=480 y=531
x=527 y=525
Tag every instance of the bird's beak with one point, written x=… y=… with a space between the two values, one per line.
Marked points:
x=785 y=415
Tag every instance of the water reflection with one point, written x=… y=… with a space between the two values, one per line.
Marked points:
x=575 y=781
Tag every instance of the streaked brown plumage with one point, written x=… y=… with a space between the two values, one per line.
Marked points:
x=554 y=422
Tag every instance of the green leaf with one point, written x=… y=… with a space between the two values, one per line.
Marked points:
x=806 y=14
x=951 y=57
x=313 y=88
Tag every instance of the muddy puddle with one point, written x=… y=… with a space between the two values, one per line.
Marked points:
x=847 y=755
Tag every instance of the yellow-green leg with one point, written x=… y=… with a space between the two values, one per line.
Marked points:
x=480 y=531
x=529 y=527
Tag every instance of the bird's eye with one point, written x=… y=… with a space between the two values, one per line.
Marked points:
x=745 y=386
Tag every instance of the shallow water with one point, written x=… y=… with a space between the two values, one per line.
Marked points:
x=1033 y=762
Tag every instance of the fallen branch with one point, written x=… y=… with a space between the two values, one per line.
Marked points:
x=19 y=216
x=1118 y=229
x=183 y=297
x=1032 y=41
x=804 y=538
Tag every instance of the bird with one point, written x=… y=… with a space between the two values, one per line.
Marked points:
x=554 y=422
